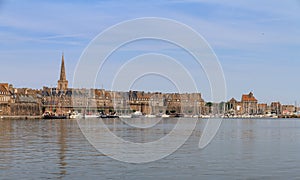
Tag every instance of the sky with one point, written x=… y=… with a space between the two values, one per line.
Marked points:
x=257 y=42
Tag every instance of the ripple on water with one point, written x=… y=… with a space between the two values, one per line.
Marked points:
x=255 y=148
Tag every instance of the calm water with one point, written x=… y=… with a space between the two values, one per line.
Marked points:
x=242 y=149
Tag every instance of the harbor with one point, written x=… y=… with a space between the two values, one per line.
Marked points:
x=149 y=90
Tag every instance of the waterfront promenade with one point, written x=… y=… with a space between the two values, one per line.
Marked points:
x=21 y=117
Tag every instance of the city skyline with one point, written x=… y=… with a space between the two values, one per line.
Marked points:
x=258 y=51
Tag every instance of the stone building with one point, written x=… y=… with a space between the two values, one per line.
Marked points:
x=276 y=108
x=234 y=107
x=192 y=103
x=173 y=103
x=58 y=99
x=19 y=101
x=139 y=101
x=249 y=104
x=63 y=100
x=25 y=105
x=54 y=100
x=262 y=109
x=119 y=102
x=157 y=103
x=187 y=103
x=5 y=99
x=83 y=100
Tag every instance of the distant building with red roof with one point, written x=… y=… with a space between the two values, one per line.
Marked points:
x=249 y=104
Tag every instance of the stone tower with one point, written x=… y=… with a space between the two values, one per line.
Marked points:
x=62 y=83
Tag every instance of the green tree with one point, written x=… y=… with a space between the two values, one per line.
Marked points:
x=209 y=105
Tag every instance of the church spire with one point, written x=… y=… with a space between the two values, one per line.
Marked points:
x=62 y=69
x=62 y=84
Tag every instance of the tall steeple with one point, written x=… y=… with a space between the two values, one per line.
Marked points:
x=62 y=69
x=62 y=83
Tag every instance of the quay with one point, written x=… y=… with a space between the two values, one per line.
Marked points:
x=20 y=117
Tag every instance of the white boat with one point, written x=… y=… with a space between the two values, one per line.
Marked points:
x=137 y=114
x=125 y=116
x=75 y=115
x=150 y=116
x=206 y=116
x=90 y=116
x=165 y=116
x=187 y=116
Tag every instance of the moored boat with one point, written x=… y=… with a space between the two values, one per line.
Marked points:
x=165 y=116
x=108 y=116
x=112 y=115
x=125 y=116
x=137 y=114
x=75 y=115
x=90 y=116
x=50 y=115
x=150 y=116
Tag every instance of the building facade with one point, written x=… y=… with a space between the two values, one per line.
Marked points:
x=5 y=99
x=249 y=104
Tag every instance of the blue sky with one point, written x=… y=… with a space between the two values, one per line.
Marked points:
x=257 y=42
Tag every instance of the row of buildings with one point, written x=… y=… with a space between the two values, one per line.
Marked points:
x=249 y=106
x=63 y=100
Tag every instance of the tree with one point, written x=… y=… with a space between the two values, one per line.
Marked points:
x=209 y=105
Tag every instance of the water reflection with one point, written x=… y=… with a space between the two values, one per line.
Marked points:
x=63 y=148
x=5 y=145
x=251 y=149
x=247 y=138
x=135 y=134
